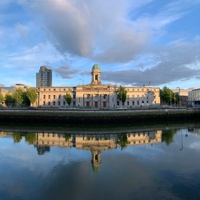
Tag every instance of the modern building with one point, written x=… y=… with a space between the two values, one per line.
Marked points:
x=194 y=98
x=97 y=94
x=44 y=77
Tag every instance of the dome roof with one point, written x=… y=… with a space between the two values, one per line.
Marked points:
x=95 y=66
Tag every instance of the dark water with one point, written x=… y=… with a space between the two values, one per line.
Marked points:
x=153 y=164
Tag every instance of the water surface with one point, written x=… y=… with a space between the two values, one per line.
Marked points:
x=154 y=164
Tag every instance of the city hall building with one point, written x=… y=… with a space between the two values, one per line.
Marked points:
x=97 y=95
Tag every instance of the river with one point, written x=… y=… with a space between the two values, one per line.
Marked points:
x=132 y=163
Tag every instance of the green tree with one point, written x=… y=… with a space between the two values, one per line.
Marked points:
x=1 y=97
x=30 y=138
x=18 y=95
x=68 y=98
x=31 y=94
x=17 y=137
x=25 y=99
x=123 y=140
x=121 y=94
x=9 y=99
x=167 y=136
x=67 y=137
x=167 y=96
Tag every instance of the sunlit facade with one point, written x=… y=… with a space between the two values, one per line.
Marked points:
x=97 y=95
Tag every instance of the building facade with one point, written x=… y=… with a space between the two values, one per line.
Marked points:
x=194 y=98
x=97 y=95
x=183 y=94
x=44 y=77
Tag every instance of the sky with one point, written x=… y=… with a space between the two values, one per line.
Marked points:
x=135 y=43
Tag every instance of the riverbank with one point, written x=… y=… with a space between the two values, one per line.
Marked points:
x=106 y=117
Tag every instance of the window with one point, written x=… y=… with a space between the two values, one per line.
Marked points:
x=96 y=77
x=54 y=96
x=133 y=103
x=44 y=103
x=44 y=96
x=49 y=96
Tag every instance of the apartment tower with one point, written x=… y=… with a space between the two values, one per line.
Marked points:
x=44 y=77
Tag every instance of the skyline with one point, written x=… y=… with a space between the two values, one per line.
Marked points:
x=134 y=43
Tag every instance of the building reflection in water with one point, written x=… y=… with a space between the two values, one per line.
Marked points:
x=96 y=143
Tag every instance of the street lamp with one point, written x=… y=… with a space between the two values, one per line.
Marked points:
x=179 y=96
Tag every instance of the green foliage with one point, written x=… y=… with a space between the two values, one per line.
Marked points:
x=167 y=136
x=17 y=137
x=30 y=138
x=167 y=96
x=67 y=137
x=31 y=94
x=122 y=140
x=68 y=98
x=25 y=99
x=1 y=97
x=121 y=94
x=18 y=95
x=9 y=99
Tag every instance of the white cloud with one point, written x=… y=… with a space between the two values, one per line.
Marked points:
x=122 y=35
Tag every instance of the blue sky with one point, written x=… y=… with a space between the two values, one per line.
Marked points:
x=134 y=42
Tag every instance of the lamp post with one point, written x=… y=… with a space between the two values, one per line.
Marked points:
x=179 y=89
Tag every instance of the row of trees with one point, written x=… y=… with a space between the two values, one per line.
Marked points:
x=20 y=97
x=26 y=98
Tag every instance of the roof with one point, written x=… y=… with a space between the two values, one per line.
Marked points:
x=95 y=66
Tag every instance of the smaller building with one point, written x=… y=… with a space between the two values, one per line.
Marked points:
x=183 y=94
x=194 y=98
